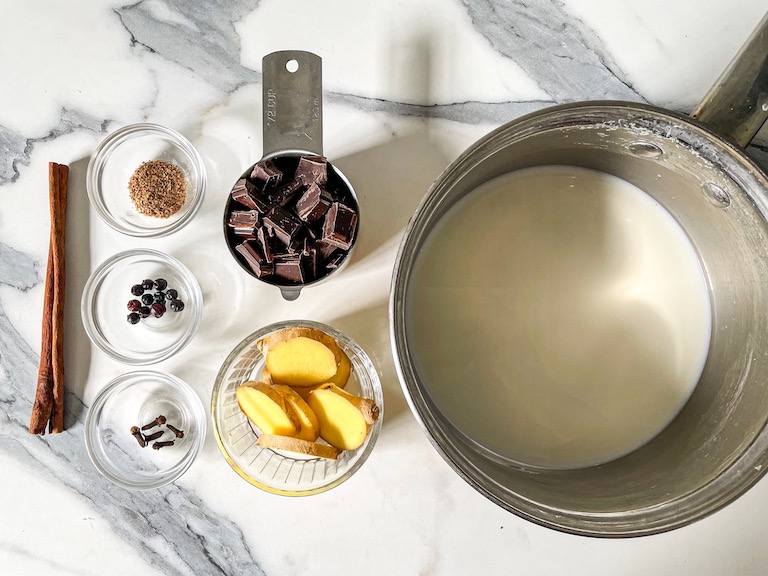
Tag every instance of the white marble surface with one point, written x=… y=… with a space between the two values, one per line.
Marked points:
x=408 y=85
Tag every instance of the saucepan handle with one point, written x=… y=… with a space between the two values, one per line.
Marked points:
x=737 y=105
x=292 y=87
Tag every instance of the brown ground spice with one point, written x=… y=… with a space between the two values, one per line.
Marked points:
x=158 y=189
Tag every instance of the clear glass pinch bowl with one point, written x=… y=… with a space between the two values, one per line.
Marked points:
x=104 y=308
x=281 y=472
x=115 y=160
x=136 y=399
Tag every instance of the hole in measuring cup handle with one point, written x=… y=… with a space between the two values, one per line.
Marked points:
x=292 y=65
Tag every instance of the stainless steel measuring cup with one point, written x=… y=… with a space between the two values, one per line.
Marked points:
x=292 y=113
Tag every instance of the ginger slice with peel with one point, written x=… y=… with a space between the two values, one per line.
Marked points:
x=300 y=362
x=298 y=445
x=310 y=427
x=343 y=364
x=342 y=424
x=267 y=409
x=367 y=407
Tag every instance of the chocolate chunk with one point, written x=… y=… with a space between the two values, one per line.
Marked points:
x=311 y=263
x=335 y=261
x=324 y=249
x=240 y=194
x=245 y=192
x=284 y=193
x=267 y=243
x=244 y=222
x=284 y=224
x=254 y=259
x=267 y=173
x=339 y=226
x=296 y=247
x=244 y=219
x=313 y=204
x=289 y=268
x=312 y=170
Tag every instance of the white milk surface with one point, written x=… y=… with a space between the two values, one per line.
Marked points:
x=559 y=316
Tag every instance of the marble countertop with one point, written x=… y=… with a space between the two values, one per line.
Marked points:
x=407 y=87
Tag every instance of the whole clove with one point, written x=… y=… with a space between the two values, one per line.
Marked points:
x=176 y=431
x=156 y=422
x=137 y=434
x=153 y=436
x=158 y=445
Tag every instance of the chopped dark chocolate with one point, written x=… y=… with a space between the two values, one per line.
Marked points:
x=300 y=220
x=339 y=226
x=296 y=247
x=324 y=249
x=240 y=194
x=311 y=263
x=284 y=193
x=245 y=233
x=290 y=269
x=247 y=194
x=267 y=173
x=244 y=222
x=313 y=204
x=254 y=259
x=244 y=218
x=267 y=243
x=284 y=224
x=335 y=261
x=312 y=170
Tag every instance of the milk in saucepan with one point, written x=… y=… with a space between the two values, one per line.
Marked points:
x=558 y=316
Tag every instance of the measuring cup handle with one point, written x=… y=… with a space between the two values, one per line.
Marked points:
x=292 y=89
x=737 y=105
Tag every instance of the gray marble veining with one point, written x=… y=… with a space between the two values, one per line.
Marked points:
x=562 y=54
x=201 y=37
x=172 y=528
x=15 y=149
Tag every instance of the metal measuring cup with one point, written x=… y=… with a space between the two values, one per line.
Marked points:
x=292 y=113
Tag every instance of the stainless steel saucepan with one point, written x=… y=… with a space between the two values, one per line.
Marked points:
x=694 y=167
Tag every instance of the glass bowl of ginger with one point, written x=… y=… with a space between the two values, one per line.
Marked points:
x=297 y=408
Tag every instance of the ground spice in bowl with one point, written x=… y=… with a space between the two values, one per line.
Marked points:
x=158 y=189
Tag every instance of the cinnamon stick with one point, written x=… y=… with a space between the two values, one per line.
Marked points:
x=58 y=174
x=43 y=405
x=48 y=408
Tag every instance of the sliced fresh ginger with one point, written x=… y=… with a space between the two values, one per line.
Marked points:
x=367 y=406
x=298 y=445
x=267 y=409
x=300 y=362
x=343 y=364
x=310 y=427
x=342 y=423
x=343 y=370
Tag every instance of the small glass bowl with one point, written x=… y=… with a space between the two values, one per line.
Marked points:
x=115 y=160
x=136 y=399
x=105 y=313
x=280 y=472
